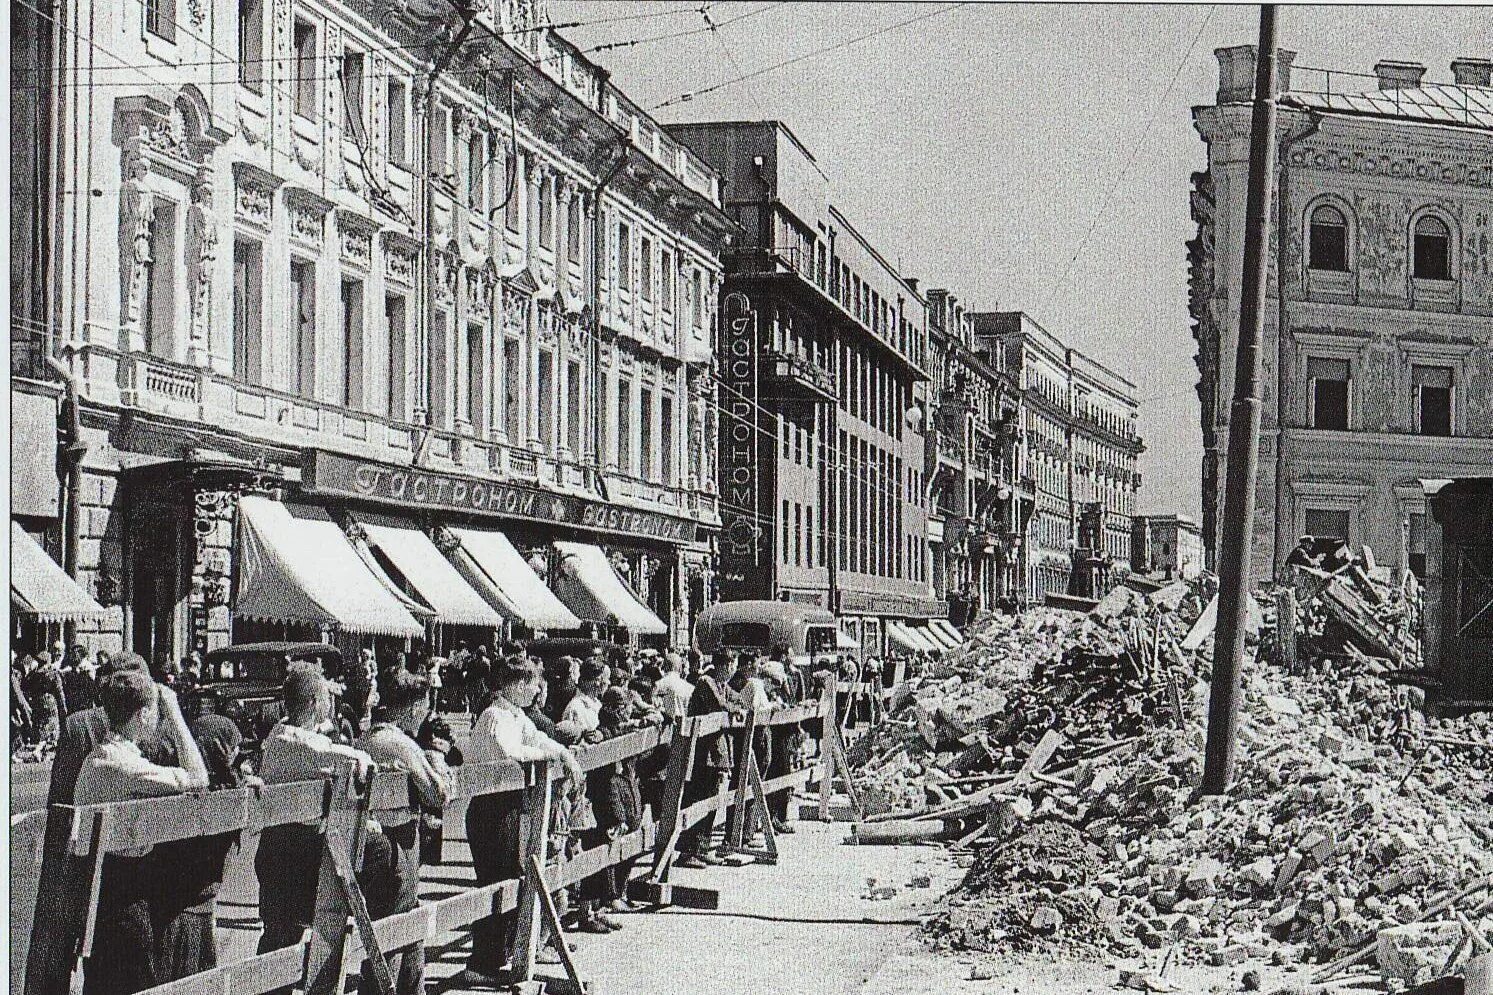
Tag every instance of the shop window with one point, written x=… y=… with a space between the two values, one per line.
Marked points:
x=251 y=44
x=302 y=379
x=352 y=94
x=1416 y=545
x=160 y=18
x=1433 y=252
x=352 y=344
x=303 y=42
x=1328 y=248
x=1432 y=398
x=248 y=297
x=394 y=323
x=1327 y=523
x=1328 y=383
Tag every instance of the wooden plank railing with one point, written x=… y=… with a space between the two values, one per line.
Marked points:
x=320 y=964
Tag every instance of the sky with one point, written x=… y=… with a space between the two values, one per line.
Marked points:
x=1032 y=157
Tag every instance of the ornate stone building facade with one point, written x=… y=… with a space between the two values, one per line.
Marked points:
x=1377 y=356
x=310 y=248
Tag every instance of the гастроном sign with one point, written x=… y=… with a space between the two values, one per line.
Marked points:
x=329 y=473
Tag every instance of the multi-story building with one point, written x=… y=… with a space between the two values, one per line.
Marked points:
x=1079 y=447
x=410 y=271
x=823 y=355
x=1377 y=354
x=979 y=507
x=1168 y=546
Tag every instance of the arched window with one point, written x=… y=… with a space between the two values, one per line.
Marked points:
x=1329 y=240
x=1433 y=249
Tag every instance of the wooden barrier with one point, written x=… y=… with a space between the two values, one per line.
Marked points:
x=320 y=962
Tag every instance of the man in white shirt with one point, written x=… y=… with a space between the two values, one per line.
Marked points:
x=122 y=959
x=288 y=862
x=503 y=734
x=582 y=715
x=671 y=691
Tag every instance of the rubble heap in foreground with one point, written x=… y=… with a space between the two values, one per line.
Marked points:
x=1352 y=814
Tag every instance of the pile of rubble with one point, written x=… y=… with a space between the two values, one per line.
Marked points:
x=1357 y=830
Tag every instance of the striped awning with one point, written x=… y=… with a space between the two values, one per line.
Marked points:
x=495 y=570
x=40 y=589
x=592 y=589
x=296 y=565
x=435 y=580
x=905 y=639
x=943 y=625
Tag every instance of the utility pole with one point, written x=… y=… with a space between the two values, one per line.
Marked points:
x=1244 y=429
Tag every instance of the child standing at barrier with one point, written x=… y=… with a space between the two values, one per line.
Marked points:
x=390 y=874
x=123 y=958
x=712 y=761
x=503 y=734
x=288 y=861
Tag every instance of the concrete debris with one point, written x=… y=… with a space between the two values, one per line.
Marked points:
x=1353 y=812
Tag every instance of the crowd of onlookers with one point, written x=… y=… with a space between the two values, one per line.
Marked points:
x=123 y=733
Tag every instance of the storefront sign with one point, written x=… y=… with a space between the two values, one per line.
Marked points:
x=342 y=476
x=745 y=530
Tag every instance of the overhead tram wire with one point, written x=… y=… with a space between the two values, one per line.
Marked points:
x=1156 y=105
x=692 y=94
x=715 y=36
x=703 y=10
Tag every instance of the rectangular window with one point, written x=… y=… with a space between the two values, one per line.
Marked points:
x=1326 y=523
x=398 y=115
x=810 y=538
x=394 y=322
x=547 y=214
x=573 y=387
x=352 y=95
x=547 y=399
x=476 y=169
x=158 y=317
x=303 y=42
x=303 y=327
x=1416 y=545
x=251 y=44
x=1328 y=391
x=352 y=344
x=645 y=435
x=575 y=230
x=670 y=473
x=440 y=149
x=666 y=279
x=623 y=259
x=476 y=375
x=697 y=297
x=645 y=268
x=624 y=424
x=798 y=534
x=513 y=378
x=511 y=198
x=248 y=299
x=1432 y=387
x=783 y=541
x=160 y=18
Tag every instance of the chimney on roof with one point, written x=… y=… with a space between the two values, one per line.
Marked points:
x=1236 y=72
x=1468 y=71
x=912 y=282
x=1395 y=75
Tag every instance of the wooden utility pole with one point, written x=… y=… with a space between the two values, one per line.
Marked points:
x=1244 y=429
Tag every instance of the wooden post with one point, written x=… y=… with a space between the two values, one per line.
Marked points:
x=533 y=832
x=681 y=768
x=826 y=751
x=741 y=783
x=1286 y=626
x=325 y=970
x=65 y=881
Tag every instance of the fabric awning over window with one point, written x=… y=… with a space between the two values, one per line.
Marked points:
x=38 y=586
x=845 y=641
x=500 y=575
x=948 y=628
x=592 y=589
x=295 y=565
x=434 y=579
x=900 y=638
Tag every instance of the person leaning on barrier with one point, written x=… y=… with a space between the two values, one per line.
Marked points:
x=390 y=873
x=439 y=743
x=503 y=734
x=123 y=957
x=288 y=861
x=786 y=739
x=712 y=762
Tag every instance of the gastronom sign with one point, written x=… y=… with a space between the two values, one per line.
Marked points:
x=414 y=487
x=743 y=569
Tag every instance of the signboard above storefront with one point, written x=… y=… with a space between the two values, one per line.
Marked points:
x=334 y=475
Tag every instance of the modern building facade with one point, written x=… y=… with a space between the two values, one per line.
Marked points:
x=1377 y=355
x=823 y=358
x=1079 y=445
x=980 y=508
x=389 y=265
x=1167 y=546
